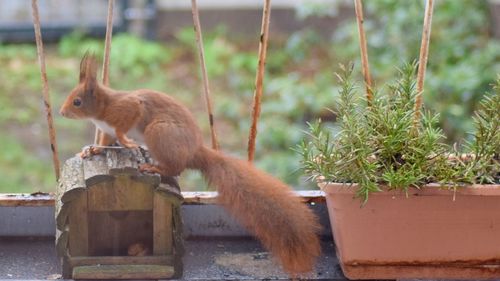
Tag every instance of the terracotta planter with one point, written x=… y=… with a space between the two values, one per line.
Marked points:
x=428 y=234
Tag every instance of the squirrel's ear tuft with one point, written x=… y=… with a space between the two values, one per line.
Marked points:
x=88 y=68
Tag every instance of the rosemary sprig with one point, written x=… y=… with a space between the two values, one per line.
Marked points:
x=379 y=145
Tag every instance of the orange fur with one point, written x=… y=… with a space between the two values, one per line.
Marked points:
x=263 y=204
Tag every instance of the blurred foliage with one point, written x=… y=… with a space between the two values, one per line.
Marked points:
x=485 y=146
x=131 y=56
x=22 y=172
x=463 y=59
x=298 y=81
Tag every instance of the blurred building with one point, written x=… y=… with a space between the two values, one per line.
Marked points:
x=156 y=18
x=161 y=19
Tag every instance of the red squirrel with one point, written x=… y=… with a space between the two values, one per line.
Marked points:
x=264 y=205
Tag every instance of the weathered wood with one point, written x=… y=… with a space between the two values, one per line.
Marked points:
x=63 y=207
x=72 y=194
x=62 y=216
x=113 y=232
x=189 y=197
x=66 y=269
x=107 y=206
x=195 y=197
x=124 y=171
x=78 y=227
x=178 y=241
x=123 y=161
x=72 y=175
x=123 y=194
x=171 y=189
x=210 y=197
x=170 y=194
x=95 y=168
x=153 y=180
x=71 y=188
x=27 y=200
x=173 y=200
x=61 y=213
x=162 y=226
x=124 y=158
x=98 y=179
x=121 y=260
x=123 y=272
x=172 y=182
x=61 y=242
x=147 y=156
x=311 y=196
x=71 y=182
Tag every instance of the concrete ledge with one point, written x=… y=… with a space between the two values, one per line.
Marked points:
x=199 y=221
x=205 y=259
x=33 y=215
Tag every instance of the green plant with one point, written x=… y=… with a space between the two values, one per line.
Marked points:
x=485 y=147
x=380 y=144
x=463 y=59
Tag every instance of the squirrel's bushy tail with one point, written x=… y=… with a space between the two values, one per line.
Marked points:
x=266 y=207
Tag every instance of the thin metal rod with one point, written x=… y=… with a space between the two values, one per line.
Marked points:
x=107 y=54
x=259 y=79
x=204 y=75
x=422 y=61
x=45 y=87
x=358 y=6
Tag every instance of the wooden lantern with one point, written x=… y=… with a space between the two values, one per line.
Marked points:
x=114 y=222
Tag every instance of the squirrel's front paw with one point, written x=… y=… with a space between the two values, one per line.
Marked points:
x=130 y=144
x=90 y=151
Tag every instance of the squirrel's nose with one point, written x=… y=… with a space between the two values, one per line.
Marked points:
x=62 y=112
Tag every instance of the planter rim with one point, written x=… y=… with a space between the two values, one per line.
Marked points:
x=428 y=189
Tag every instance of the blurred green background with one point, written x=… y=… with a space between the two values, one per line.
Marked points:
x=299 y=85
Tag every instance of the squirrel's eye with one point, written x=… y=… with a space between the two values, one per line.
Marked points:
x=77 y=102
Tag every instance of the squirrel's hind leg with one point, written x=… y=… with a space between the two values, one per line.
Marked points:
x=171 y=146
